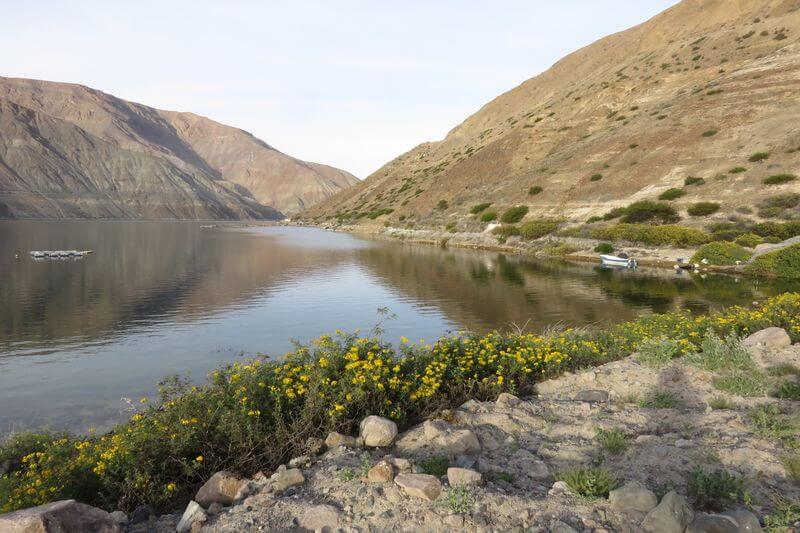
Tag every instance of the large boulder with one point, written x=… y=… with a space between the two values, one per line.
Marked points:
x=451 y=441
x=713 y=523
x=320 y=518
x=633 y=498
x=422 y=486
x=672 y=515
x=65 y=516
x=221 y=488
x=377 y=431
x=770 y=338
x=748 y=522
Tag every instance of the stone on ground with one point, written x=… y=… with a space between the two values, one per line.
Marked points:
x=594 y=396
x=221 y=488
x=422 y=486
x=463 y=476
x=284 y=478
x=672 y=515
x=377 y=432
x=770 y=338
x=633 y=497
x=713 y=523
x=193 y=514
x=382 y=472
x=335 y=439
x=748 y=522
x=65 y=516
x=320 y=518
x=507 y=400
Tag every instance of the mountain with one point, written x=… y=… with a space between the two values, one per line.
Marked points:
x=70 y=151
x=693 y=92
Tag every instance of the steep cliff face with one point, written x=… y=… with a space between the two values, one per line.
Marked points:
x=71 y=151
x=695 y=91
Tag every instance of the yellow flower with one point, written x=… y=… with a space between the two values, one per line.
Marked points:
x=199 y=458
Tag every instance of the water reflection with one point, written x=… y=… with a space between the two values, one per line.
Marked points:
x=160 y=298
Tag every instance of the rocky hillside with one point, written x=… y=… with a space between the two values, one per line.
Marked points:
x=71 y=151
x=703 y=98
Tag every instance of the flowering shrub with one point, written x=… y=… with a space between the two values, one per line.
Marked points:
x=259 y=413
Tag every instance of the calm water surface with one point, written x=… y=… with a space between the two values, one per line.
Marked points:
x=159 y=298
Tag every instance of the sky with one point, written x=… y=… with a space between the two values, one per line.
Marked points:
x=349 y=83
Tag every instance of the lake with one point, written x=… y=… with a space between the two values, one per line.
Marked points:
x=78 y=336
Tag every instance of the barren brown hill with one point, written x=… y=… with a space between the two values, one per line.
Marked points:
x=694 y=92
x=70 y=151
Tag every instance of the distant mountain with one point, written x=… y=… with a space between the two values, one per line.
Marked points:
x=70 y=151
x=693 y=92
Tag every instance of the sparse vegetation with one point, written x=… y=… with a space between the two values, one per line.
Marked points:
x=721 y=253
x=506 y=231
x=480 y=208
x=788 y=390
x=442 y=205
x=497 y=475
x=379 y=213
x=758 y=157
x=536 y=189
x=693 y=180
x=604 y=248
x=460 y=499
x=737 y=170
x=721 y=403
x=672 y=194
x=659 y=351
x=596 y=177
x=768 y=421
x=709 y=133
x=536 y=229
x=652 y=235
x=651 y=212
x=716 y=490
x=749 y=240
x=489 y=216
x=779 y=179
x=703 y=209
x=592 y=482
x=660 y=399
x=514 y=214
x=435 y=466
x=615 y=441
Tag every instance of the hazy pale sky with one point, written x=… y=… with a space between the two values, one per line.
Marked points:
x=350 y=83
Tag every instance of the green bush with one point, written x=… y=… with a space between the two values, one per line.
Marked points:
x=779 y=179
x=489 y=216
x=533 y=191
x=380 y=212
x=719 y=403
x=715 y=491
x=660 y=399
x=691 y=180
x=769 y=421
x=779 y=230
x=652 y=235
x=737 y=170
x=479 y=208
x=749 y=240
x=758 y=157
x=652 y=212
x=435 y=466
x=659 y=351
x=781 y=201
x=514 y=214
x=783 y=263
x=596 y=177
x=788 y=390
x=672 y=194
x=717 y=354
x=748 y=384
x=590 y=483
x=442 y=205
x=536 y=229
x=702 y=209
x=506 y=230
x=721 y=253
x=604 y=248
x=709 y=133
x=615 y=441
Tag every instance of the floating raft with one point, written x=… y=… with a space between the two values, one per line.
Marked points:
x=58 y=254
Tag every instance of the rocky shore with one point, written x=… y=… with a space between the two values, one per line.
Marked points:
x=627 y=446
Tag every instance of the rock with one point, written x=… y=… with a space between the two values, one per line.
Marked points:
x=559 y=488
x=632 y=497
x=459 y=442
x=284 y=478
x=524 y=461
x=215 y=508
x=221 y=488
x=770 y=338
x=507 y=400
x=463 y=476
x=561 y=527
x=591 y=396
x=465 y=461
x=376 y=431
x=142 y=513
x=713 y=523
x=382 y=472
x=314 y=445
x=433 y=429
x=672 y=515
x=747 y=521
x=683 y=443
x=422 y=486
x=192 y=515
x=401 y=464
x=119 y=517
x=335 y=439
x=65 y=516
x=299 y=462
x=320 y=518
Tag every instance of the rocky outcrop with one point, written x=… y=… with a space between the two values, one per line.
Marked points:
x=68 y=151
x=67 y=516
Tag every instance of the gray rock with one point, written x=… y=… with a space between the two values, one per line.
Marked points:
x=335 y=439
x=142 y=513
x=463 y=476
x=559 y=488
x=591 y=395
x=524 y=461
x=221 y=488
x=376 y=431
x=770 y=338
x=119 y=517
x=215 y=508
x=284 y=478
x=459 y=442
x=507 y=400
x=193 y=513
x=422 y=486
x=748 y=522
x=561 y=527
x=465 y=461
x=672 y=515
x=65 y=516
x=401 y=464
x=632 y=497
x=320 y=518
x=713 y=523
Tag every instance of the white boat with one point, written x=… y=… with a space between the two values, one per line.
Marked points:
x=621 y=260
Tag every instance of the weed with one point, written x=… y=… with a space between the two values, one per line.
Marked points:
x=435 y=466
x=715 y=490
x=508 y=477
x=768 y=421
x=592 y=483
x=442 y=205
x=721 y=403
x=692 y=180
x=460 y=499
x=614 y=441
x=536 y=189
x=514 y=214
x=721 y=354
x=788 y=390
x=672 y=194
x=758 y=157
x=709 y=133
x=703 y=209
x=658 y=351
x=604 y=248
x=479 y=208
x=742 y=383
x=489 y=216
x=737 y=170
x=779 y=179
x=791 y=463
x=596 y=177
x=785 y=513
x=660 y=400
